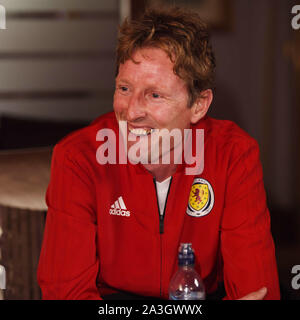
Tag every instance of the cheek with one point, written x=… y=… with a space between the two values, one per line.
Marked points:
x=172 y=117
x=164 y=115
x=119 y=104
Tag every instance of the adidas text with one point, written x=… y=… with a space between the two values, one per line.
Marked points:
x=119 y=212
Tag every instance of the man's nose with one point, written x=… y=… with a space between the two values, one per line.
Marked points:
x=136 y=108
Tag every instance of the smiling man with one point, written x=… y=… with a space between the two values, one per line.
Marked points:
x=150 y=97
x=116 y=227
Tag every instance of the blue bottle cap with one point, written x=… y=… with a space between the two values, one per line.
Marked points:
x=186 y=255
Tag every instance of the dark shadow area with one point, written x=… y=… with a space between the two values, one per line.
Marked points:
x=22 y=133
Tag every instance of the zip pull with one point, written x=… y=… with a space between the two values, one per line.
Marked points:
x=161 y=224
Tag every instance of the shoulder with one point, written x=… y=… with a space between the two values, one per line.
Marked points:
x=228 y=143
x=227 y=134
x=83 y=141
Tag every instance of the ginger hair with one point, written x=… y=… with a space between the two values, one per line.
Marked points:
x=182 y=35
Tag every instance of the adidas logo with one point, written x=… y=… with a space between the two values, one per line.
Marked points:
x=119 y=208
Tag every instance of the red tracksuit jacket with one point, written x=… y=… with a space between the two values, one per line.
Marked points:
x=103 y=230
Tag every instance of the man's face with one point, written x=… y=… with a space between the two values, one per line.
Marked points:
x=150 y=96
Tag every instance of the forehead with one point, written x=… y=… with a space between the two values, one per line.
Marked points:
x=153 y=65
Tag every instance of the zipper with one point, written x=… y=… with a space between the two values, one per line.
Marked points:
x=161 y=228
x=162 y=216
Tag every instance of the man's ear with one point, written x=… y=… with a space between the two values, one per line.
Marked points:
x=201 y=105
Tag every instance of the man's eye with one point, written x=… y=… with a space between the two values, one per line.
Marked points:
x=155 y=95
x=123 y=88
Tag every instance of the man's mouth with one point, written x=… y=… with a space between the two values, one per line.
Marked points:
x=141 y=131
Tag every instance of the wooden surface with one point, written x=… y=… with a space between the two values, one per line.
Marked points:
x=24 y=177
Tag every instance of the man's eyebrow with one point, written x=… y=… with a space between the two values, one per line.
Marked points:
x=123 y=80
x=150 y=86
x=156 y=87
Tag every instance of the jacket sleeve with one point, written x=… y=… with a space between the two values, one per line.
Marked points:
x=68 y=264
x=246 y=242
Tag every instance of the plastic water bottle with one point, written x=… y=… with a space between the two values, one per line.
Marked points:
x=186 y=284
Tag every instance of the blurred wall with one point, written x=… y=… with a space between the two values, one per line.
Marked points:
x=255 y=88
x=57 y=58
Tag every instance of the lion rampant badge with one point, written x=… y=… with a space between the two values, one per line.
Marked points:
x=201 y=199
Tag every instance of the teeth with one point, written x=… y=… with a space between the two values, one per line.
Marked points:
x=141 y=131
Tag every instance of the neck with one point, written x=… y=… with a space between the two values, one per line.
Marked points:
x=161 y=171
